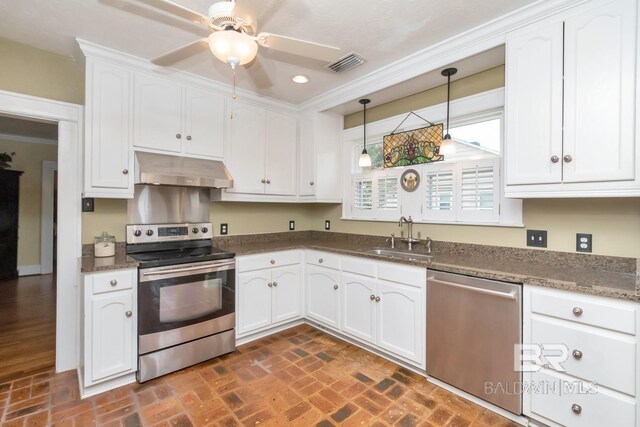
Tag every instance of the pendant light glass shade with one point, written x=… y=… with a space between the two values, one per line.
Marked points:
x=233 y=47
x=365 y=159
x=448 y=146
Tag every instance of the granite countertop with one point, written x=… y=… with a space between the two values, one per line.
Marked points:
x=90 y=264
x=583 y=279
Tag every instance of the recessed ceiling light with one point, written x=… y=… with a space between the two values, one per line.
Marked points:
x=300 y=78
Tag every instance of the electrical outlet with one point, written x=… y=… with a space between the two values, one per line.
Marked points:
x=87 y=204
x=537 y=238
x=292 y=225
x=224 y=229
x=327 y=224
x=584 y=242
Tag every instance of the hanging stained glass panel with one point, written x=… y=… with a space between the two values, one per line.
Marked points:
x=413 y=147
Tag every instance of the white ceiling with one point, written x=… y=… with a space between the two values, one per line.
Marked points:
x=383 y=31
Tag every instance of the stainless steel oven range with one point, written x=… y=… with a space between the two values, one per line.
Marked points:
x=186 y=297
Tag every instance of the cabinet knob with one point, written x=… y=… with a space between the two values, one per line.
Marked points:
x=377 y=299
x=263 y=181
x=577 y=354
x=178 y=136
x=129 y=313
x=270 y=284
x=577 y=311
x=555 y=159
x=576 y=408
x=335 y=287
x=113 y=282
x=372 y=297
x=188 y=137
x=125 y=171
x=275 y=284
x=311 y=183
x=567 y=158
x=268 y=181
x=273 y=261
x=320 y=260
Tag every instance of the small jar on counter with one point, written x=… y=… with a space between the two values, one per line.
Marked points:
x=104 y=246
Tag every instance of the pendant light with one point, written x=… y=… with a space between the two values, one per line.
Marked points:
x=448 y=147
x=365 y=159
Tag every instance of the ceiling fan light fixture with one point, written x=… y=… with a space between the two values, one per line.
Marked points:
x=300 y=78
x=233 y=47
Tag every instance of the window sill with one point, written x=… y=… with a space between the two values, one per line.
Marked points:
x=419 y=221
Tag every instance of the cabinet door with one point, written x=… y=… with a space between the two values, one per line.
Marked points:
x=245 y=149
x=112 y=334
x=306 y=168
x=286 y=293
x=358 y=307
x=108 y=128
x=254 y=300
x=323 y=295
x=204 y=123
x=534 y=106
x=157 y=114
x=600 y=73
x=400 y=320
x=282 y=137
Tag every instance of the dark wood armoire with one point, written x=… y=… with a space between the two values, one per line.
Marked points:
x=9 y=204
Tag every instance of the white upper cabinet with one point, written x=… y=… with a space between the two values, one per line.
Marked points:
x=571 y=104
x=108 y=156
x=307 y=160
x=172 y=118
x=281 y=151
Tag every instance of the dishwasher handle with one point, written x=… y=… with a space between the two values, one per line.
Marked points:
x=506 y=295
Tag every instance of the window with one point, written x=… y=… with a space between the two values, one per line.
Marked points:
x=363 y=194
x=388 y=193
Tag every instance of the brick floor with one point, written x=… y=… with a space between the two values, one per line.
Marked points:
x=299 y=377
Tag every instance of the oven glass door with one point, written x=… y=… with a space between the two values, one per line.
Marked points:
x=175 y=297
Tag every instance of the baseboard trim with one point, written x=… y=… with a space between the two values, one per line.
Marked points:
x=28 y=270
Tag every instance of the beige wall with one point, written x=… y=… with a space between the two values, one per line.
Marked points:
x=36 y=72
x=29 y=158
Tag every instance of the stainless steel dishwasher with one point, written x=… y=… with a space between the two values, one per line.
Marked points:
x=472 y=327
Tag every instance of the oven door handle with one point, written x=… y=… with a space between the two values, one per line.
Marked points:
x=212 y=267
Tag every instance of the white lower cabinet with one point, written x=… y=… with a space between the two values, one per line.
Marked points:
x=359 y=307
x=109 y=328
x=268 y=296
x=588 y=370
x=323 y=295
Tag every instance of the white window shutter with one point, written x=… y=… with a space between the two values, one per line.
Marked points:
x=363 y=196
x=388 y=193
x=439 y=196
x=479 y=191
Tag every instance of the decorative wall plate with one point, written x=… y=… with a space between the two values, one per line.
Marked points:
x=410 y=180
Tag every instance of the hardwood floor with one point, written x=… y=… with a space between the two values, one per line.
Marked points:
x=27 y=325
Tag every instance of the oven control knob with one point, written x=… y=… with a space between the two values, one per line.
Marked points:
x=137 y=233
x=205 y=229
x=149 y=233
x=195 y=230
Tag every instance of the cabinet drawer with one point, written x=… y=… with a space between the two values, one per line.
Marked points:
x=599 y=357
x=116 y=280
x=553 y=397
x=359 y=266
x=587 y=310
x=323 y=259
x=402 y=274
x=269 y=260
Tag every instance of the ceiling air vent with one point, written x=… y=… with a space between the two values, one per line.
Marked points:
x=347 y=62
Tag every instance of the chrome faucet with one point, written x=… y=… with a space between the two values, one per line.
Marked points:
x=429 y=244
x=410 y=240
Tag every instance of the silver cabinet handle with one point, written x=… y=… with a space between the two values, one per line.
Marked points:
x=567 y=158
x=269 y=284
x=128 y=313
x=576 y=408
x=273 y=261
x=377 y=299
x=555 y=159
x=113 y=282
x=275 y=284
x=577 y=311
x=125 y=171
x=311 y=183
x=178 y=136
x=188 y=137
x=320 y=260
x=372 y=297
x=264 y=181
x=335 y=287
x=268 y=181
x=577 y=354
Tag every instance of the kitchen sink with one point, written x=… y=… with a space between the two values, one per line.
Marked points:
x=399 y=254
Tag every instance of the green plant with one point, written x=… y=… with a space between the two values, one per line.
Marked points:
x=5 y=160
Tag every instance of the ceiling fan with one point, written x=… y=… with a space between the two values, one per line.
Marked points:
x=233 y=38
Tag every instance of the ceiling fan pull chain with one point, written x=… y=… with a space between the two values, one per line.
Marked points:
x=234 y=85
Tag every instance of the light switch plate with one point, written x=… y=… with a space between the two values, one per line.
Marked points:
x=224 y=229
x=292 y=225
x=537 y=238
x=327 y=224
x=584 y=242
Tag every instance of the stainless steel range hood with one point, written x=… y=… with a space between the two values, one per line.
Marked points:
x=161 y=169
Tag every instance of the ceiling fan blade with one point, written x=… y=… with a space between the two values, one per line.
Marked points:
x=299 y=47
x=181 y=53
x=176 y=9
x=258 y=75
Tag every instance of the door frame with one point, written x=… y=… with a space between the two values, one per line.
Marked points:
x=46 y=217
x=69 y=118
